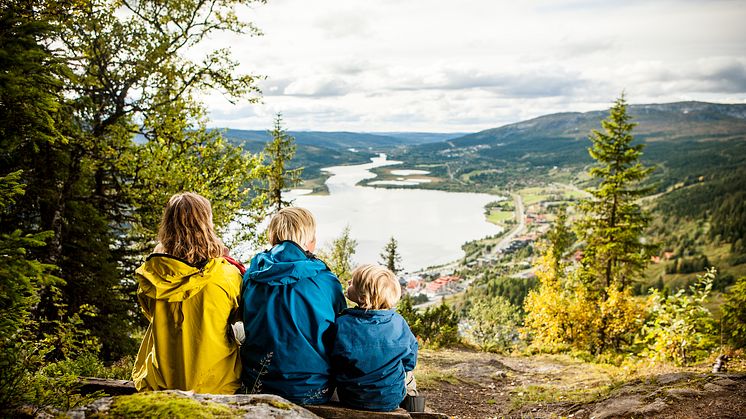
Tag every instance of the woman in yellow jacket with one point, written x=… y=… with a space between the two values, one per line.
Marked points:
x=189 y=292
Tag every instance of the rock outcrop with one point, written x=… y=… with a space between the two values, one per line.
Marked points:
x=126 y=403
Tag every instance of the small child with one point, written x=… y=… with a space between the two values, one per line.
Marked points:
x=290 y=300
x=374 y=351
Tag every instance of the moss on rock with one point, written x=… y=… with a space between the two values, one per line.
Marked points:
x=167 y=405
x=281 y=405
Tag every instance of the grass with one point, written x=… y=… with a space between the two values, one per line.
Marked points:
x=499 y=217
x=533 y=195
x=532 y=394
x=429 y=376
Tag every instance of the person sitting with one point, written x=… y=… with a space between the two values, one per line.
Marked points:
x=374 y=351
x=289 y=302
x=189 y=294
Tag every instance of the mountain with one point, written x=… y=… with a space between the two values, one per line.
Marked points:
x=682 y=139
x=318 y=149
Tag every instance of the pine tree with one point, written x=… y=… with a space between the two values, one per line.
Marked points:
x=560 y=238
x=279 y=152
x=613 y=222
x=390 y=256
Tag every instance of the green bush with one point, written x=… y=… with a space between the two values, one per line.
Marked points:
x=680 y=327
x=734 y=313
x=492 y=324
x=435 y=327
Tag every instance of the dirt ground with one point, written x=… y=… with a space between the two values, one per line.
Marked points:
x=469 y=384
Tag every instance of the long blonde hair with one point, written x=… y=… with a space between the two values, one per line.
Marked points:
x=186 y=230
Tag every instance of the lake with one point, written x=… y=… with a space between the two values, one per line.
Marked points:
x=429 y=225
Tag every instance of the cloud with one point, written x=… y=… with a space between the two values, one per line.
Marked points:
x=319 y=86
x=350 y=24
x=716 y=74
x=728 y=75
x=574 y=48
x=438 y=65
x=535 y=83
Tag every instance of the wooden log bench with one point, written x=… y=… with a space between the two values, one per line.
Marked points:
x=89 y=385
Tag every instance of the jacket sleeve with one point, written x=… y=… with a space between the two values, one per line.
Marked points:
x=146 y=304
x=339 y=302
x=410 y=360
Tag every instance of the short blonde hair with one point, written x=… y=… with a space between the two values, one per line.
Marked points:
x=374 y=287
x=292 y=223
x=186 y=229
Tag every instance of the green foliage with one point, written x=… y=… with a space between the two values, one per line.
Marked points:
x=734 y=314
x=406 y=309
x=339 y=256
x=680 y=327
x=493 y=324
x=613 y=221
x=100 y=161
x=278 y=153
x=436 y=327
x=29 y=77
x=29 y=380
x=560 y=238
x=390 y=256
x=21 y=276
x=688 y=265
x=495 y=284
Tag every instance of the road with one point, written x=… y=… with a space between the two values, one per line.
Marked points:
x=520 y=213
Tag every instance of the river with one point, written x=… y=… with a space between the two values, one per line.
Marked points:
x=430 y=226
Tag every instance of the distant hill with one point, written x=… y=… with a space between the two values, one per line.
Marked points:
x=698 y=150
x=683 y=139
x=318 y=149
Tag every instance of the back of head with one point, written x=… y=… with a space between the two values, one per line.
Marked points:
x=186 y=230
x=292 y=223
x=374 y=287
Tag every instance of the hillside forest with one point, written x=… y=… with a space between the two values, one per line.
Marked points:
x=100 y=124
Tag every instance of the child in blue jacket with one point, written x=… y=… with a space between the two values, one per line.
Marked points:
x=374 y=351
x=289 y=301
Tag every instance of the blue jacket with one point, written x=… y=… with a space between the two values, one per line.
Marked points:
x=289 y=302
x=372 y=350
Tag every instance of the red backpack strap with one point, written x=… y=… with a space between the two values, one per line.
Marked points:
x=235 y=263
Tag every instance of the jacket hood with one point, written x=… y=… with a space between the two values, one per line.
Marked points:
x=370 y=316
x=165 y=277
x=283 y=264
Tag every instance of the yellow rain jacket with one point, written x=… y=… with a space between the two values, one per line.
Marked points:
x=187 y=345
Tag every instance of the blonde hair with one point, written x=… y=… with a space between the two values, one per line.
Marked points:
x=186 y=230
x=374 y=287
x=292 y=223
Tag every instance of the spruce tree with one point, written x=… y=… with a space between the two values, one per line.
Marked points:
x=613 y=222
x=560 y=238
x=279 y=152
x=390 y=256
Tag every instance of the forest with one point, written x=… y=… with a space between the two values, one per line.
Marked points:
x=100 y=125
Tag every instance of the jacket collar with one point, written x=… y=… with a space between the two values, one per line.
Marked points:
x=369 y=314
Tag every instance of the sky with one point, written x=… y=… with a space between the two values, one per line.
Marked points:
x=469 y=65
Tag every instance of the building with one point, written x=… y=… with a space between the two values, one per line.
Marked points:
x=442 y=285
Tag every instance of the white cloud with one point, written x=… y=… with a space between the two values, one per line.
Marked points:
x=438 y=65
